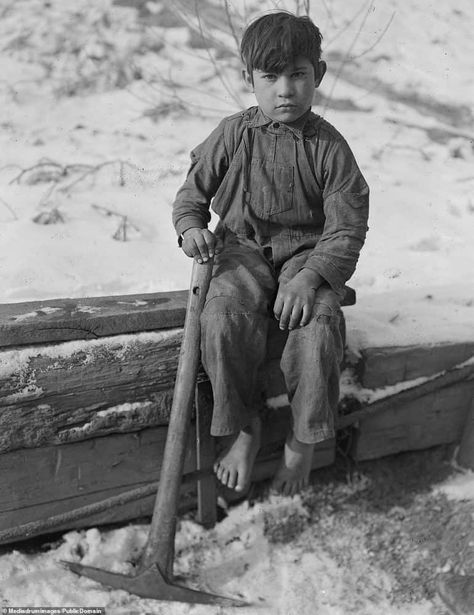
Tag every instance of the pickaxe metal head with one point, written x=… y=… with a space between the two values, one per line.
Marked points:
x=151 y=583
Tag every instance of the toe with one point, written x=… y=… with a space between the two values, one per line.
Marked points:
x=224 y=476
x=220 y=473
x=241 y=483
x=231 y=479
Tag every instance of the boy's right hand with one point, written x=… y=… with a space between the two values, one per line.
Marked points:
x=200 y=244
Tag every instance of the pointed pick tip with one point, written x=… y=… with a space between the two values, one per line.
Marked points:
x=74 y=566
x=150 y=583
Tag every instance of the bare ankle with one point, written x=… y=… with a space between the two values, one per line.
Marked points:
x=234 y=466
x=293 y=473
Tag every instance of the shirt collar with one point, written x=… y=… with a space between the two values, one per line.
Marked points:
x=300 y=127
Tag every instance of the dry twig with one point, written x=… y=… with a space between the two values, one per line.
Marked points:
x=218 y=70
x=10 y=209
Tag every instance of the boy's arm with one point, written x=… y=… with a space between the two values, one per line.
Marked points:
x=333 y=260
x=346 y=208
x=209 y=164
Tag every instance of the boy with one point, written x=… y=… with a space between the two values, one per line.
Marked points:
x=293 y=210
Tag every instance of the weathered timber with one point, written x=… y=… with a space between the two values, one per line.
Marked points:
x=59 y=320
x=117 y=508
x=465 y=456
x=453 y=376
x=113 y=478
x=388 y=365
x=438 y=417
x=75 y=390
x=46 y=481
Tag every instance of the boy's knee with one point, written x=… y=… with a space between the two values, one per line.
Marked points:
x=223 y=305
x=326 y=308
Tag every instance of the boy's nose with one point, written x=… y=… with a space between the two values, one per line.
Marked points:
x=285 y=87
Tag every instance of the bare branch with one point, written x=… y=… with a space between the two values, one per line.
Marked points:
x=219 y=74
x=230 y=21
x=351 y=21
x=347 y=56
x=92 y=170
x=328 y=11
x=377 y=40
x=43 y=163
x=10 y=209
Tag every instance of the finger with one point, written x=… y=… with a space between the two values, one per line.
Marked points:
x=278 y=306
x=295 y=317
x=202 y=252
x=306 y=317
x=190 y=249
x=285 y=315
x=210 y=240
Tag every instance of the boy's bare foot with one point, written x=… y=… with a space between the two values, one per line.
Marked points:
x=293 y=474
x=234 y=466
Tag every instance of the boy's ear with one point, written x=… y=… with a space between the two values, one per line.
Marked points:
x=247 y=77
x=318 y=77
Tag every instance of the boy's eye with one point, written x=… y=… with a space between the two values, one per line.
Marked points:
x=269 y=77
x=299 y=74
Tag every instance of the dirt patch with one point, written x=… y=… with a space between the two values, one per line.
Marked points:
x=409 y=532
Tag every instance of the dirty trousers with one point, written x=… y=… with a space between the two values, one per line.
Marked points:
x=235 y=323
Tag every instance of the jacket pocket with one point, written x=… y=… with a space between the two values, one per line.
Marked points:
x=271 y=188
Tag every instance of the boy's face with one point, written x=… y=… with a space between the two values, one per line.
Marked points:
x=286 y=96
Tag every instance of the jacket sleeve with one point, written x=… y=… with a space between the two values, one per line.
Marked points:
x=209 y=163
x=346 y=209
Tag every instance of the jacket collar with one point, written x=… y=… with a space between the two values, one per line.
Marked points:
x=303 y=126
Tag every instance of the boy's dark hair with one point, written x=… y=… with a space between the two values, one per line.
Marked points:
x=271 y=42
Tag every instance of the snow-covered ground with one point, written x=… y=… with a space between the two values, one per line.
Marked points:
x=98 y=116
x=284 y=556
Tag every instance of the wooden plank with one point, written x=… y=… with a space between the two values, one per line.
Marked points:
x=435 y=418
x=53 y=393
x=465 y=455
x=446 y=379
x=81 y=475
x=60 y=320
x=116 y=507
x=46 y=481
x=388 y=365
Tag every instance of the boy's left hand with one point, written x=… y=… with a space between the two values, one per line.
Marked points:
x=295 y=299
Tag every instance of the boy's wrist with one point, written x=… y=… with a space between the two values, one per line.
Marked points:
x=314 y=279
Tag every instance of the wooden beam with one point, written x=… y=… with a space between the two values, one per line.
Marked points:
x=46 y=481
x=465 y=456
x=438 y=417
x=59 y=320
x=385 y=366
x=448 y=379
x=51 y=394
